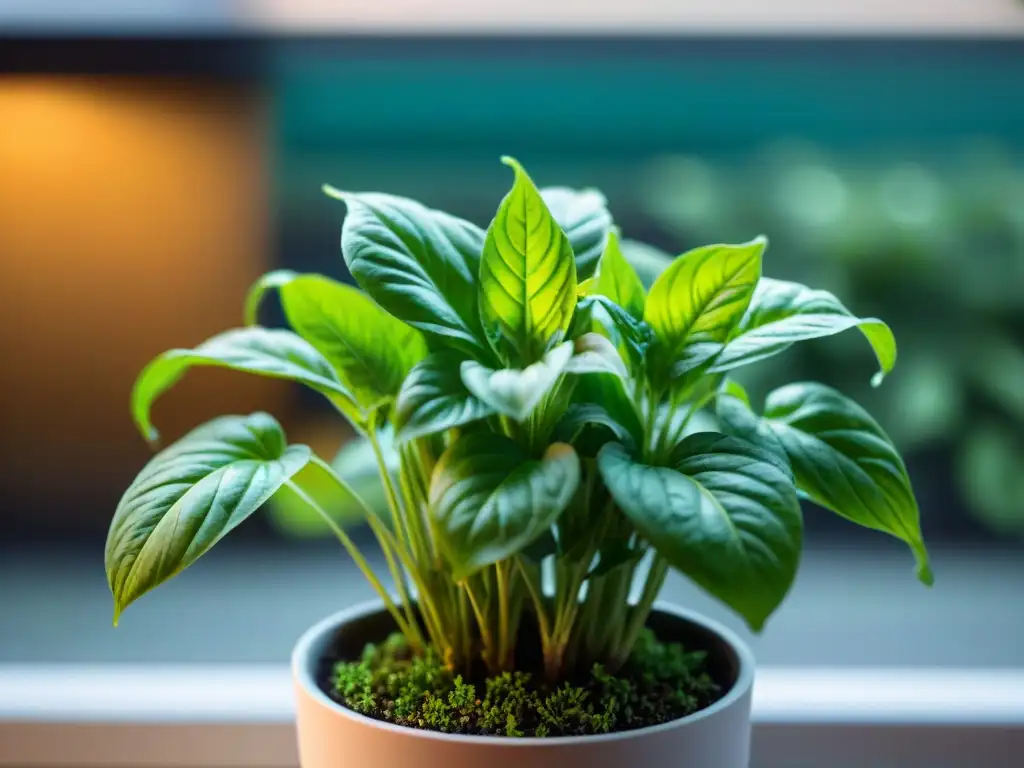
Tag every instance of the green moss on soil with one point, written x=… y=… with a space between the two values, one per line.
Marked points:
x=661 y=682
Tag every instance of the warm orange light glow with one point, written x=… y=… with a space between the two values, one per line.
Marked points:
x=132 y=218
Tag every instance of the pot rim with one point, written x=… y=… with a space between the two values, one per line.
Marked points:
x=304 y=665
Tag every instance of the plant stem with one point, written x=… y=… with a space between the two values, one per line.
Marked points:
x=588 y=626
x=571 y=598
x=424 y=465
x=616 y=602
x=429 y=611
x=651 y=424
x=567 y=607
x=611 y=610
x=420 y=558
x=384 y=539
x=517 y=599
x=504 y=641
x=417 y=463
x=397 y=576
x=638 y=617
x=397 y=516
x=484 y=626
x=394 y=505
x=388 y=543
x=413 y=637
x=402 y=525
x=533 y=587
x=668 y=439
x=415 y=487
x=464 y=629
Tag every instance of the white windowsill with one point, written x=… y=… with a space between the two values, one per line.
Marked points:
x=191 y=716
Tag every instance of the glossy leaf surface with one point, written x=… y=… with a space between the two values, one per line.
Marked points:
x=192 y=494
x=489 y=500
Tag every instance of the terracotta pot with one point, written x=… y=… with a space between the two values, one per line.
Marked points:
x=331 y=736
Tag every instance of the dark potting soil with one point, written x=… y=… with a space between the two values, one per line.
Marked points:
x=659 y=683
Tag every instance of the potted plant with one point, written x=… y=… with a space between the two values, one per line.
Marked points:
x=533 y=411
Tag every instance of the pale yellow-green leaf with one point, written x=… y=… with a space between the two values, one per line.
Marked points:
x=704 y=293
x=527 y=275
x=617 y=279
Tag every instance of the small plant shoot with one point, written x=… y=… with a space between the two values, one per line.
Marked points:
x=540 y=422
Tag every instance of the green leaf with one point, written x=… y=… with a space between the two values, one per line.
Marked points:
x=490 y=500
x=269 y=282
x=648 y=261
x=617 y=280
x=609 y=394
x=704 y=293
x=190 y=495
x=527 y=275
x=593 y=353
x=693 y=358
x=276 y=354
x=723 y=514
x=844 y=461
x=782 y=313
x=732 y=409
x=371 y=350
x=584 y=217
x=434 y=398
x=581 y=415
x=419 y=264
x=700 y=299
x=735 y=389
x=587 y=287
x=514 y=392
x=630 y=336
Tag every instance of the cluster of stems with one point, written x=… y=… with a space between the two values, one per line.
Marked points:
x=584 y=614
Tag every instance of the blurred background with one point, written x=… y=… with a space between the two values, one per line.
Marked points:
x=156 y=158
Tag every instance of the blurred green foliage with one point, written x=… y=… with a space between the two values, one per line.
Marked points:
x=934 y=246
